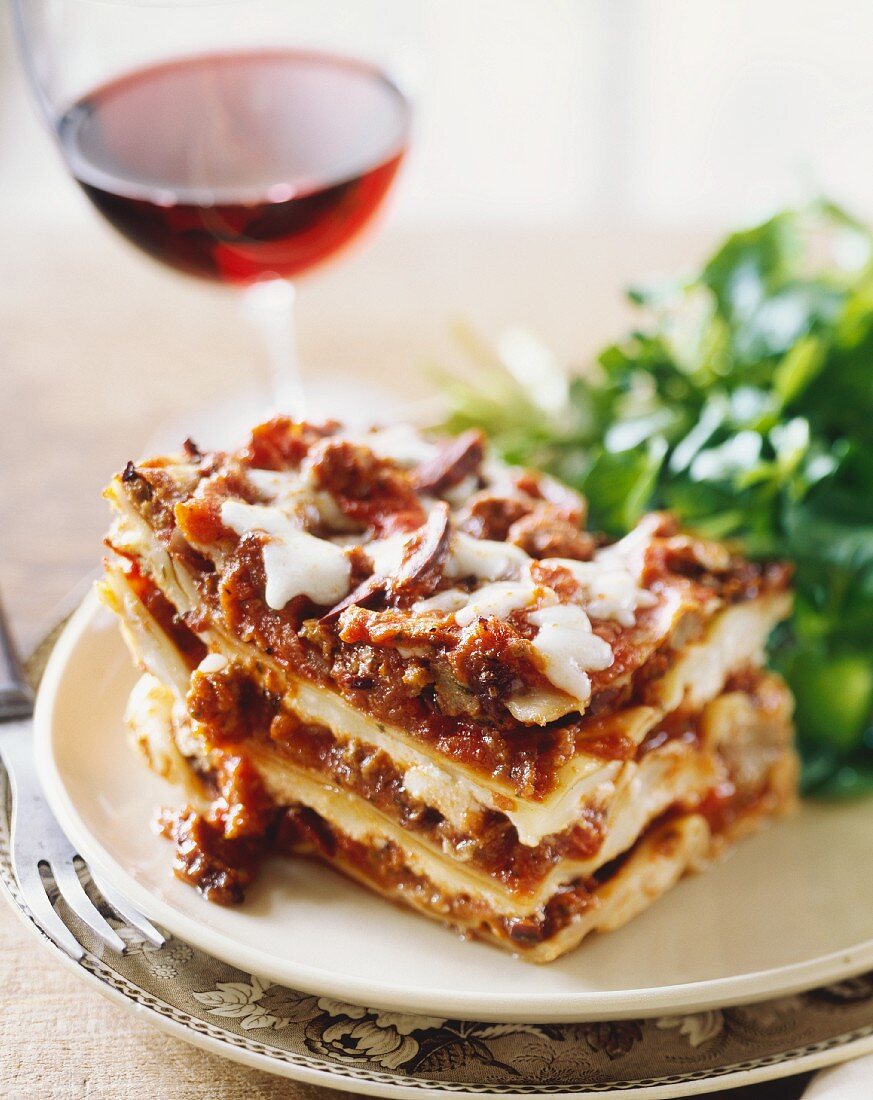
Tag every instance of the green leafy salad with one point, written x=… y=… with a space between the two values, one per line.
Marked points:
x=743 y=402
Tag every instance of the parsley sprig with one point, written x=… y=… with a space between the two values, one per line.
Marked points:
x=744 y=403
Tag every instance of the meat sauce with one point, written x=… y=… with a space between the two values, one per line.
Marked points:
x=489 y=842
x=219 y=853
x=230 y=707
x=450 y=693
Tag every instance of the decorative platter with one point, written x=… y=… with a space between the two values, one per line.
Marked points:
x=314 y=1037
x=719 y=938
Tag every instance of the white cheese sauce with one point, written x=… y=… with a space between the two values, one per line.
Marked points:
x=500 y=479
x=386 y=554
x=609 y=591
x=628 y=553
x=453 y=599
x=399 y=443
x=459 y=494
x=295 y=563
x=483 y=559
x=569 y=648
x=495 y=600
x=295 y=492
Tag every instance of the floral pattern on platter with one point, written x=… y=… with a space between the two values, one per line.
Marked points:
x=698 y=1027
x=336 y=1029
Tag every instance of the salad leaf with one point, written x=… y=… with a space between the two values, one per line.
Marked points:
x=743 y=401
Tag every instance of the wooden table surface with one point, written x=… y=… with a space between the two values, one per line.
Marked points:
x=98 y=349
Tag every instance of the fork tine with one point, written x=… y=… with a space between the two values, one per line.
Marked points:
x=128 y=914
x=33 y=892
x=74 y=895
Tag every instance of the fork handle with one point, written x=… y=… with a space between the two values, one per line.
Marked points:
x=16 y=698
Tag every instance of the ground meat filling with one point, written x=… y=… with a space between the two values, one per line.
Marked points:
x=370 y=491
x=493 y=662
x=282 y=444
x=219 y=852
x=548 y=532
x=369 y=772
x=220 y=869
x=489 y=516
x=489 y=843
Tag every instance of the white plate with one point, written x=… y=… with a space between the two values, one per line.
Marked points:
x=792 y=908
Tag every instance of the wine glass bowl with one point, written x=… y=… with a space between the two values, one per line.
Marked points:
x=240 y=166
x=239 y=162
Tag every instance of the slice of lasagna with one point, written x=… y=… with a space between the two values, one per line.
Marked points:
x=414 y=663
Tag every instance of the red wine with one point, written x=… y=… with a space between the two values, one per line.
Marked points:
x=238 y=166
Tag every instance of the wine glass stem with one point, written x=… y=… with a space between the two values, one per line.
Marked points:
x=269 y=306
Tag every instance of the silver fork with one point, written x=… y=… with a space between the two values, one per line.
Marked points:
x=37 y=840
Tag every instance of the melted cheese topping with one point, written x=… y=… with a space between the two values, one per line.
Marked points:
x=569 y=648
x=497 y=600
x=453 y=599
x=399 y=443
x=295 y=563
x=500 y=478
x=483 y=559
x=458 y=495
x=294 y=493
x=609 y=591
x=628 y=553
x=298 y=563
x=386 y=554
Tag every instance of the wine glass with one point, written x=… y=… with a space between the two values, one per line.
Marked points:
x=241 y=141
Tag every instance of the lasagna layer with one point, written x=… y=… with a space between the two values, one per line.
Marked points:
x=685 y=761
x=576 y=806
x=547 y=768
x=652 y=843
x=415 y=664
